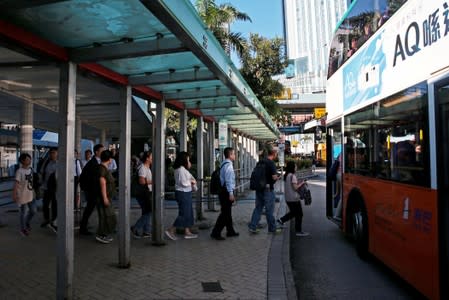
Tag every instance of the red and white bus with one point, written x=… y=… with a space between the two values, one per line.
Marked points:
x=388 y=136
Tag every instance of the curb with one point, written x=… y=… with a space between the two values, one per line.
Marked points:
x=280 y=281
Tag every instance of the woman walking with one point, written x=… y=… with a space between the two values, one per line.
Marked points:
x=106 y=214
x=184 y=184
x=291 y=185
x=144 y=196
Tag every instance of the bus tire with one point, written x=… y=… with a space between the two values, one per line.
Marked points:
x=360 y=231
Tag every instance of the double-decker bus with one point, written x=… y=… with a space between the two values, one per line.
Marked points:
x=388 y=136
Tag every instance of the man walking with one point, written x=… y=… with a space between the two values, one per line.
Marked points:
x=266 y=198
x=91 y=186
x=48 y=175
x=226 y=197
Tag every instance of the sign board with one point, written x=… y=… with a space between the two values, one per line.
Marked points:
x=223 y=133
x=319 y=112
x=281 y=154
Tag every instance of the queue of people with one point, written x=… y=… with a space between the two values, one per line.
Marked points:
x=94 y=176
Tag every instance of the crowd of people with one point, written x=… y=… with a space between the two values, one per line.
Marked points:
x=96 y=176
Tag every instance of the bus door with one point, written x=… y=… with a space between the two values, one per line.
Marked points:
x=334 y=172
x=441 y=92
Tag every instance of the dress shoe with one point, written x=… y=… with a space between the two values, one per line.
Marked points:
x=231 y=234
x=217 y=237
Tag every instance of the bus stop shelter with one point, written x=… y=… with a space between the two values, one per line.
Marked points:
x=74 y=66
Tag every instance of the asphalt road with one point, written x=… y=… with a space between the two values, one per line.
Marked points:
x=326 y=266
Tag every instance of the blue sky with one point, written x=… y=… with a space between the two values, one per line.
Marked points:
x=266 y=16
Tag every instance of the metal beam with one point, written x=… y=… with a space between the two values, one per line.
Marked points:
x=201 y=104
x=23 y=4
x=157 y=46
x=198 y=94
x=173 y=76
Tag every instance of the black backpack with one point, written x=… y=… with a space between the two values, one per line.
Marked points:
x=258 y=180
x=215 y=184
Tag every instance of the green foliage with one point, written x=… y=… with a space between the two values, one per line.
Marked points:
x=262 y=59
x=301 y=163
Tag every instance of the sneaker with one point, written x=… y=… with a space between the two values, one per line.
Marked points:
x=232 y=234
x=28 y=228
x=191 y=236
x=103 y=239
x=279 y=223
x=276 y=231
x=53 y=227
x=146 y=235
x=253 y=231
x=24 y=232
x=135 y=234
x=108 y=238
x=302 y=233
x=170 y=235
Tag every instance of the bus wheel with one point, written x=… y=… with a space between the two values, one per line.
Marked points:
x=360 y=232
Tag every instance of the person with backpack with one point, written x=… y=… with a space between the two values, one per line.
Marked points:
x=226 y=197
x=90 y=185
x=265 y=196
x=48 y=175
x=23 y=193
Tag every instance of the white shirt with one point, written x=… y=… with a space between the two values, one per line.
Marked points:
x=145 y=172
x=77 y=169
x=24 y=179
x=183 y=180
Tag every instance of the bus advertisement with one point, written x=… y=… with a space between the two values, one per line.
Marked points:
x=387 y=136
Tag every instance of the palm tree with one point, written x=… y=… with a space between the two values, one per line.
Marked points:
x=218 y=19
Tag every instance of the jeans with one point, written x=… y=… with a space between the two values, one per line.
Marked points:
x=264 y=198
x=27 y=211
x=143 y=223
x=185 y=212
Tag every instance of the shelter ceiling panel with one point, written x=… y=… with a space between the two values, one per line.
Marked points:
x=188 y=85
x=153 y=64
x=76 y=24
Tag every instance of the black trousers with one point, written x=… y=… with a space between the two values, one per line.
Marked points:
x=225 y=217
x=295 y=211
x=90 y=206
x=48 y=200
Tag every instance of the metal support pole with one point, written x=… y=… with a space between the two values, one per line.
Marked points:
x=184 y=118
x=159 y=175
x=67 y=107
x=199 y=167
x=124 y=240
x=210 y=203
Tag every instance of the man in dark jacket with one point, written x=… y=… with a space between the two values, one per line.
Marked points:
x=90 y=186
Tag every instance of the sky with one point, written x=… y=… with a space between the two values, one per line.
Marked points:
x=266 y=16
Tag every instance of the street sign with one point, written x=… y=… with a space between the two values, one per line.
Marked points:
x=223 y=133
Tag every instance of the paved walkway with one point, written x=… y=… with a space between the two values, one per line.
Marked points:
x=174 y=271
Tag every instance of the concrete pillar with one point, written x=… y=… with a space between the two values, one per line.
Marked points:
x=103 y=139
x=78 y=136
x=65 y=255
x=211 y=201
x=26 y=128
x=184 y=118
x=124 y=240
x=159 y=175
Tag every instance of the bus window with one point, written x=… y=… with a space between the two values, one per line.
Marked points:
x=389 y=139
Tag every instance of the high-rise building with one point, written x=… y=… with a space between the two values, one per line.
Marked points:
x=308 y=28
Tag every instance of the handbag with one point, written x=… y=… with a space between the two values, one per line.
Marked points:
x=304 y=194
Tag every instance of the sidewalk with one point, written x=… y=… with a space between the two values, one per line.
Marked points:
x=174 y=271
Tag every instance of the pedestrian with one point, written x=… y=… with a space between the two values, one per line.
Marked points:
x=184 y=184
x=107 y=219
x=266 y=198
x=87 y=157
x=76 y=174
x=291 y=185
x=226 y=197
x=313 y=163
x=48 y=175
x=144 y=196
x=91 y=187
x=23 y=193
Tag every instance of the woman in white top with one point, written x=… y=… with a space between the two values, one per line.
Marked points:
x=144 y=197
x=291 y=185
x=184 y=184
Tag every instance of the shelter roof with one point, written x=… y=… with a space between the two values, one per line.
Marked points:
x=159 y=47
